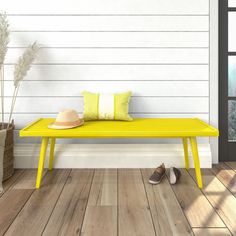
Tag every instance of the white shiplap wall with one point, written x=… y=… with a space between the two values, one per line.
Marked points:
x=159 y=49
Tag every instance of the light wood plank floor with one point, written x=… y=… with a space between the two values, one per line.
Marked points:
x=107 y=202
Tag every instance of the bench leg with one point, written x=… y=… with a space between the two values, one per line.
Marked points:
x=41 y=161
x=193 y=142
x=186 y=158
x=51 y=157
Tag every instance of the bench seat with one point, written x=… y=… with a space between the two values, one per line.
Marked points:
x=138 y=128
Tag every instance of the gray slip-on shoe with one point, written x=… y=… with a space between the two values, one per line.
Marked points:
x=158 y=174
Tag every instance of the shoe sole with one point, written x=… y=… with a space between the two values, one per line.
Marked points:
x=154 y=183
x=173 y=179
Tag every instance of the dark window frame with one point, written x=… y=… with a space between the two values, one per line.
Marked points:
x=227 y=150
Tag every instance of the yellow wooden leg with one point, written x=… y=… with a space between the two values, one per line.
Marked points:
x=193 y=142
x=51 y=157
x=41 y=161
x=186 y=158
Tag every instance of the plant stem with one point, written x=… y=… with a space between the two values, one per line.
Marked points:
x=3 y=110
x=1 y=91
x=2 y=94
x=13 y=104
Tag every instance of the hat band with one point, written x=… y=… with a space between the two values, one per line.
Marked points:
x=59 y=123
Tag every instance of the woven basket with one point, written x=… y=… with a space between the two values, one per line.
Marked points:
x=8 y=159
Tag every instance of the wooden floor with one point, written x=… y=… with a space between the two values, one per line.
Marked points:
x=107 y=202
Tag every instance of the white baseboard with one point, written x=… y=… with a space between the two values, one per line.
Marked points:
x=111 y=155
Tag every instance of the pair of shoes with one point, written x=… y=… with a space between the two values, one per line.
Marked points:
x=159 y=173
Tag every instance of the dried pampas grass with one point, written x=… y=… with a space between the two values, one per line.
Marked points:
x=4 y=37
x=21 y=68
x=24 y=63
x=4 y=40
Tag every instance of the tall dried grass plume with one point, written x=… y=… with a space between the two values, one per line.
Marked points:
x=4 y=37
x=21 y=68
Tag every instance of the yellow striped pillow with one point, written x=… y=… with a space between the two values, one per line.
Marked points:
x=106 y=106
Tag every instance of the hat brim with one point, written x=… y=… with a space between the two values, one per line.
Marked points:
x=53 y=126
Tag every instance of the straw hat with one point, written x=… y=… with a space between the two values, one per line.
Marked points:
x=66 y=119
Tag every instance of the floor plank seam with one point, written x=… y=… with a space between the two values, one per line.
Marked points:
x=33 y=190
x=148 y=202
x=12 y=184
x=180 y=206
x=86 y=205
x=19 y=211
x=56 y=203
x=227 y=187
x=209 y=227
x=211 y=204
x=226 y=163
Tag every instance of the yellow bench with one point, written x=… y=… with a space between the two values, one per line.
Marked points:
x=184 y=128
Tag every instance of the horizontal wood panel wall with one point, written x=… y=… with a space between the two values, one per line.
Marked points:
x=157 y=49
